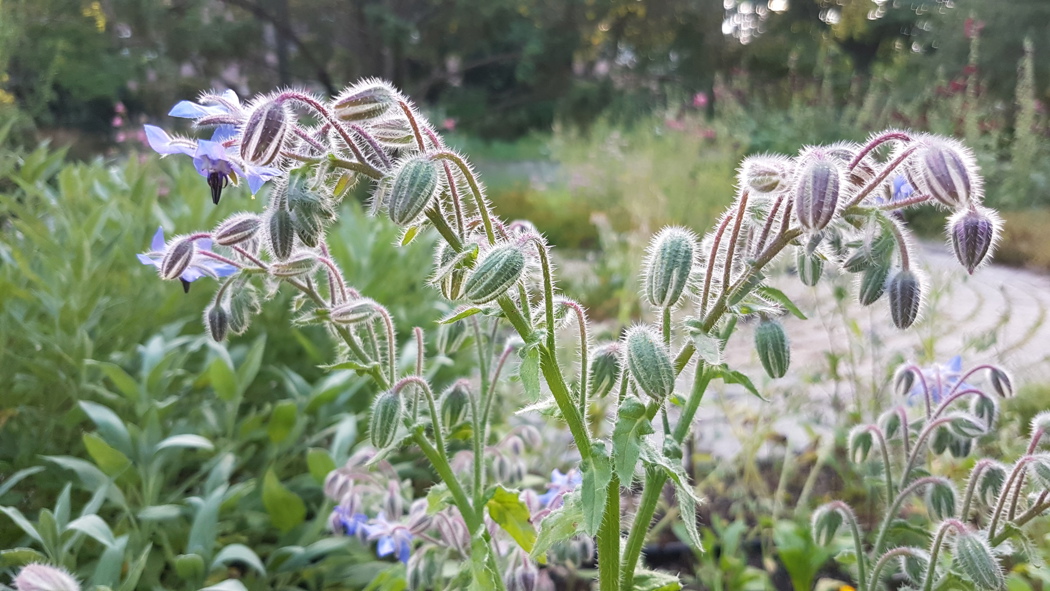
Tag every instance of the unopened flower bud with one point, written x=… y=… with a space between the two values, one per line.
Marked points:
x=386 y=415
x=860 y=443
x=825 y=524
x=960 y=447
x=423 y=570
x=495 y=274
x=244 y=303
x=1001 y=382
x=297 y=264
x=903 y=381
x=177 y=258
x=668 y=266
x=771 y=343
x=905 y=295
x=217 y=321
x=810 y=267
x=354 y=311
x=414 y=187
x=368 y=99
x=976 y=561
x=455 y=404
x=973 y=232
x=872 y=284
x=940 y=499
x=946 y=170
x=649 y=363
x=394 y=133
x=605 y=369
x=991 y=483
x=764 y=175
x=281 y=233
x=237 y=229
x=265 y=133
x=44 y=577
x=817 y=191
x=451 y=281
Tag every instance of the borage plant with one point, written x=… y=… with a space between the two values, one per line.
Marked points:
x=831 y=204
x=966 y=535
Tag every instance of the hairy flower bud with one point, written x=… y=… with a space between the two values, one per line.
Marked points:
x=44 y=577
x=905 y=295
x=177 y=258
x=991 y=482
x=423 y=570
x=860 y=443
x=217 y=321
x=605 y=369
x=237 y=229
x=297 y=264
x=973 y=233
x=975 y=559
x=354 y=311
x=872 y=284
x=455 y=404
x=415 y=184
x=765 y=174
x=946 y=170
x=265 y=133
x=281 y=233
x=649 y=363
x=244 y=303
x=810 y=267
x=940 y=499
x=817 y=191
x=451 y=278
x=368 y=99
x=771 y=343
x=903 y=381
x=394 y=133
x=386 y=415
x=825 y=524
x=495 y=274
x=668 y=266
x=1001 y=382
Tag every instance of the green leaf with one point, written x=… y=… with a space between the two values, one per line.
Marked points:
x=320 y=463
x=187 y=440
x=93 y=526
x=285 y=507
x=17 y=477
x=205 y=524
x=282 y=421
x=648 y=580
x=730 y=376
x=109 y=565
x=110 y=427
x=632 y=425
x=131 y=581
x=351 y=365
x=529 y=372
x=249 y=368
x=21 y=521
x=410 y=235
x=708 y=347
x=438 y=498
x=460 y=313
x=561 y=524
x=223 y=379
x=160 y=512
x=16 y=557
x=687 y=499
x=484 y=578
x=120 y=378
x=239 y=553
x=109 y=460
x=510 y=513
x=597 y=472
x=779 y=297
x=345 y=437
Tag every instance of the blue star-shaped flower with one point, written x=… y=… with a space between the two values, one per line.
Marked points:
x=351 y=523
x=200 y=266
x=391 y=537
x=941 y=379
x=560 y=484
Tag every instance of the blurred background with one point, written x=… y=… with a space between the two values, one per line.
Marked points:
x=599 y=120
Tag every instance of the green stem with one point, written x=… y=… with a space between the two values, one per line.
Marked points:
x=562 y=396
x=443 y=228
x=883 y=561
x=895 y=507
x=643 y=517
x=609 y=540
x=444 y=471
x=667 y=326
x=479 y=199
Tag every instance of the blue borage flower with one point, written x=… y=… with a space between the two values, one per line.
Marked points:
x=210 y=105
x=391 y=537
x=200 y=266
x=345 y=521
x=940 y=379
x=560 y=484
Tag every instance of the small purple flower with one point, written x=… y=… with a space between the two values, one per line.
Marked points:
x=210 y=105
x=347 y=522
x=940 y=379
x=201 y=266
x=392 y=537
x=559 y=485
x=211 y=159
x=902 y=189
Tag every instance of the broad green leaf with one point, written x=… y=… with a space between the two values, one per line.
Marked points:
x=510 y=513
x=684 y=493
x=484 y=578
x=223 y=379
x=708 y=347
x=110 y=427
x=282 y=421
x=120 y=378
x=17 y=477
x=62 y=506
x=239 y=553
x=249 y=368
x=16 y=557
x=108 y=459
x=320 y=463
x=160 y=513
x=285 y=507
x=109 y=565
x=205 y=524
x=529 y=372
x=561 y=524
x=186 y=440
x=782 y=299
x=312 y=553
x=93 y=526
x=220 y=472
x=632 y=425
x=131 y=581
x=597 y=472
x=345 y=437
x=438 y=498
x=730 y=376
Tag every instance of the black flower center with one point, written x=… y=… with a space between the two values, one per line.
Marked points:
x=217 y=181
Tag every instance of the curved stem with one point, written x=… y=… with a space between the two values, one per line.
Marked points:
x=971 y=485
x=711 y=261
x=479 y=199
x=581 y=320
x=895 y=507
x=875 y=182
x=361 y=167
x=727 y=267
x=435 y=418
x=923 y=435
x=902 y=244
x=440 y=464
x=884 y=560
x=935 y=550
x=876 y=142
x=1000 y=504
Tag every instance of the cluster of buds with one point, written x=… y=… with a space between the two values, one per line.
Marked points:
x=955 y=415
